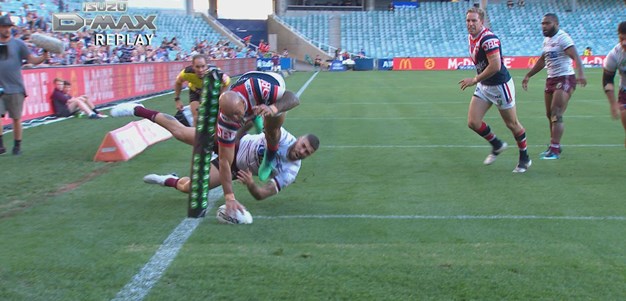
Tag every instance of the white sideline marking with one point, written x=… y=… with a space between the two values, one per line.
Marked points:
x=460 y=146
x=150 y=274
x=448 y=217
x=306 y=84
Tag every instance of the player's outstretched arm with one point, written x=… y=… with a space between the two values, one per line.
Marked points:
x=258 y=192
x=226 y=157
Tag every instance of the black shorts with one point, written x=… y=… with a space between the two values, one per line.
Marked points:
x=65 y=112
x=233 y=167
x=195 y=95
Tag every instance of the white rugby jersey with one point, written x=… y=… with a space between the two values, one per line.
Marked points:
x=616 y=61
x=250 y=155
x=557 y=61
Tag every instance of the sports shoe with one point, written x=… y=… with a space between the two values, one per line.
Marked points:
x=2 y=150
x=125 y=109
x=17 y=151
x=265 y=169
x=522 y=166
x=494 y=153
x=543 y=153
x=157 y=179
x=102 y=115
x=550 y=156
x=94 y=116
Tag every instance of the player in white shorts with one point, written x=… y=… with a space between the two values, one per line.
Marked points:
x=558 y=53
x=249 y=153
x=616 y=61
x=494 y=86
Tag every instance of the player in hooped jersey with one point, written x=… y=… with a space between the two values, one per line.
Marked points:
x=494 y=86
x=254 y=93
x=558 y=52
x=616 y=62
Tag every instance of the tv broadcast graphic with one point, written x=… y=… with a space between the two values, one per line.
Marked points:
x=312 y=149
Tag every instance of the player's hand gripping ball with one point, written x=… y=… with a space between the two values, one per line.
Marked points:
x=238 y=218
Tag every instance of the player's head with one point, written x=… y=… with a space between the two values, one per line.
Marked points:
x=621 y=33
x=199 y=65
x=474 y=20
x=303 y=147
x=550 y=24
x=233 y=106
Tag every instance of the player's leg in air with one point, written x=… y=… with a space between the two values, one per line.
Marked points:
x=184 y=184
x=169 y=122
x=272 y=126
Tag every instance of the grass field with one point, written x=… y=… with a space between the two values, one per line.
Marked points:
x=395 y=205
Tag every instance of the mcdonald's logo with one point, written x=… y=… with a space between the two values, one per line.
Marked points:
x=405 y=64
x=532 y=61
x=429 y=64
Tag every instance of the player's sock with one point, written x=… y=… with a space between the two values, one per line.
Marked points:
x=258 y=124
x=265 y=170
x=555 y=147
x=521 y=144
x=485 y=132
x=2 y=149
x=271 y=152
x=141 y=111
x=1 y=141
x=171 y=182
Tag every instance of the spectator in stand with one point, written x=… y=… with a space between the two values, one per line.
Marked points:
x=521 y=3
x=587 y=52
x=361 y=54
x=510 y=3
x=318 y=62
x=285 y=53
x=263 y=47
x=275 y=62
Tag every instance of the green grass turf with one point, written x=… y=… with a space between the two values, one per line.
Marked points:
x=392 y=144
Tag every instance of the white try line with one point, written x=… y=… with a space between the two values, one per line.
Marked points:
x=461 y=146
x=445 y=217
x=149 y=275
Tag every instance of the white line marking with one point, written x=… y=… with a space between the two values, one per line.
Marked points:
x=306 y=84
x=447 y=217
x=149 y=275
x=459 y=146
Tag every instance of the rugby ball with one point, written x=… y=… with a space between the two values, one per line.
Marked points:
x=237 y=219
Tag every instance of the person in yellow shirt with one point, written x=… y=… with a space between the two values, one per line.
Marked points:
x=194 y=76
x=587 y=52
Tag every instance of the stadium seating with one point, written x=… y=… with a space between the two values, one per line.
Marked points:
x=438 y=28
